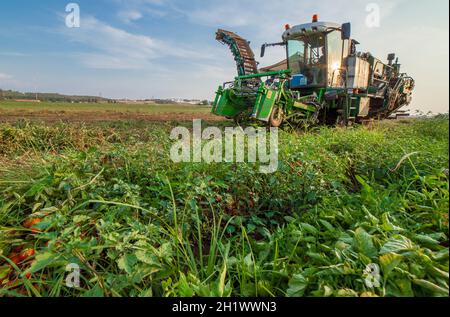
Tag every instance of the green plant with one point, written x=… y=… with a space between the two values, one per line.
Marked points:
x=111 y=201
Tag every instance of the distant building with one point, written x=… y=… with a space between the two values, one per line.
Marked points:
x=164 y=101
x=132 y=101
x=27 y=100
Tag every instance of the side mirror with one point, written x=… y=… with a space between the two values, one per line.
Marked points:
x=346 y=31
x=263 y=50
x=391 y=58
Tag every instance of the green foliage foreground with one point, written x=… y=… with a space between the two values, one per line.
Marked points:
x=137 y=224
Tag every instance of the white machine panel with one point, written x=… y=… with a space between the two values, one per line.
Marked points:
x=364 y=107
x=358 y=73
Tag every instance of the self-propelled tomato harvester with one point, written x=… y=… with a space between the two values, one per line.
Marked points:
x=324 y=78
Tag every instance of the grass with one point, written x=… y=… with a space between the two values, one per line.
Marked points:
x=111 y=201
x=97 y=107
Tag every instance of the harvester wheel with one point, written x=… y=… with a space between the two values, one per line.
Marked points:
x=276 y=117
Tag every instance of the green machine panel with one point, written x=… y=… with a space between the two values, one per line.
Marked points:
x=264 y=104
x=226 y=105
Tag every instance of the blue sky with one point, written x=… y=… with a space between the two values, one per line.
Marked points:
x=166 y=48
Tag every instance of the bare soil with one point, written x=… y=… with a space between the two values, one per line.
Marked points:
x=101 y=116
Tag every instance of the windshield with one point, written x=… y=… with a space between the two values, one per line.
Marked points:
x=335 y=78
x=307 y=61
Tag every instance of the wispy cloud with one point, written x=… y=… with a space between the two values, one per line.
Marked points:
x=14 y=54
x=114 y=48
x=265 y=20
x=4 y=77
x=134 y=10
x=128 y=16
x=8 y=81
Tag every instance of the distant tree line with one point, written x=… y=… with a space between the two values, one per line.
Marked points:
x=54 y=97
x=50 y=97
x=162 y=101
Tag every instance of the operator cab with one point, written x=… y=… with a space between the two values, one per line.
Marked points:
x=316 y=53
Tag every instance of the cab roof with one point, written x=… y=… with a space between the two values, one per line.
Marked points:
x=309 y=28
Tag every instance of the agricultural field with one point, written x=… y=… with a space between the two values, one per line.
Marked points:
x=106 y=196
x=11 y=111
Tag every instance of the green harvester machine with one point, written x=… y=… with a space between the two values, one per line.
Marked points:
x=324 y=79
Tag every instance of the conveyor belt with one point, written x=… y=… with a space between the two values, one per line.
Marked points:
x=243 y=54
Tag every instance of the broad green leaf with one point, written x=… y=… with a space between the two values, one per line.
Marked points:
x=387 y=224
x=340 y=245
x=389 y=262
x=346 y=292
x=374 y=220
x=127 y=262
x=36 y=206
x=436 y=272
x=442 y=255
x=96 y=291
x=368 y=294
x=4 y=271
x=435 y=289
x=308 y=228
x=297 y=286
x=141 y=271
x=184 y=288
x=42 y=261
x=366 y=187
x=327 y=291
x=318 y=257
x=397 y=244
x=426 y=241
x=248 y=260
x=221 y=281
x=365 y=259
x=248 y=289
x=165 y=251
x=405 y=287
x=264 y=288
x=147 y=293
x=147 y=258
x=80 y=218
x=327 y=225
x=364 y=244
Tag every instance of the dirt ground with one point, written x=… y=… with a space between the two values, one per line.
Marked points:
x=98 y=116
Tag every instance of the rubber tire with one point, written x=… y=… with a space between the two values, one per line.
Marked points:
x=273 y=120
